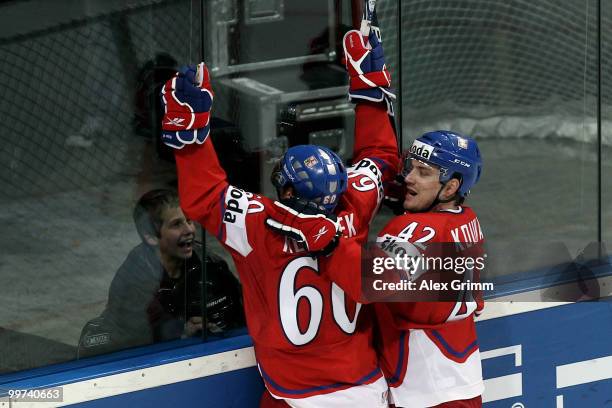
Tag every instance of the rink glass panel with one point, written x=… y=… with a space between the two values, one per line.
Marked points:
x=606 y=124
x=263 y=96
x=521 y=78
x=81 y=129
x=79 y=148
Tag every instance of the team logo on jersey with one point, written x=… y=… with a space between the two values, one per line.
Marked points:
x=234 y=219
x=421 y=149
x=175 y=122
x=462 y=143
x=367 y=177
x=311 y=162
x=321 y=232
x=235 y=201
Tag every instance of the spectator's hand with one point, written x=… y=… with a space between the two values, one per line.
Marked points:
x=369 y=78
x=193 y=326
x=187 y=99
x=319 y=233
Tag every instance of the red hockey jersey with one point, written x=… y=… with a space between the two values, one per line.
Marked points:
x=426 y=363
x=307 y=335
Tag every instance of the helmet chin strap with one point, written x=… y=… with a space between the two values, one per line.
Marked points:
x=438 y=200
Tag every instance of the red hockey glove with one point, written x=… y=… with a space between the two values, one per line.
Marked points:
x=369 y=78
x=187 y=99
x=318 y=233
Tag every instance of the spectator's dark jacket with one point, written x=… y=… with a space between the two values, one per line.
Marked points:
x=145 y=305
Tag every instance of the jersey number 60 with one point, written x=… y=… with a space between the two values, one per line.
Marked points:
x=289 y=298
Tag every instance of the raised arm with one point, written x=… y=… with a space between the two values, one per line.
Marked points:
x=369 y=88
x=187 y=99
x=375 y=138
x=202 y=185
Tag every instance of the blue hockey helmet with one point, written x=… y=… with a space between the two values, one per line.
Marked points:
x=455 y=155
x=316 y=173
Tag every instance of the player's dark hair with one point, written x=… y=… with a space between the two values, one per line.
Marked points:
x=148 y=211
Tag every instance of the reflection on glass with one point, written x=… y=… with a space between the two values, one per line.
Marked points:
x=79 y=92
x=527 y=94
x=156 y=295
x=81 y=104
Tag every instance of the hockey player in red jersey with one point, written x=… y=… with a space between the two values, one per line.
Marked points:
x=437 y=366
x=312 y=347
x=428 y=350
